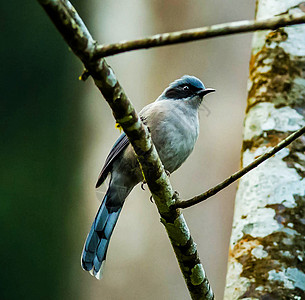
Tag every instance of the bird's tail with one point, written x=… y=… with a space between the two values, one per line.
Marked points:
x=95 y=248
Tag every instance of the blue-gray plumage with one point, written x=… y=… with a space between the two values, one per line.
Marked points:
x=174 y=126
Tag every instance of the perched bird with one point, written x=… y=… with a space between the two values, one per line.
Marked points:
x=174 y=125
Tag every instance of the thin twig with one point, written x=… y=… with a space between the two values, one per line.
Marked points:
x=211 y=192
x=198 y=34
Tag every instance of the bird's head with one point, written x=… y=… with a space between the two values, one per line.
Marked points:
x=187 y=88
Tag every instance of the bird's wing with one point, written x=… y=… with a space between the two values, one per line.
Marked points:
x=121 y=143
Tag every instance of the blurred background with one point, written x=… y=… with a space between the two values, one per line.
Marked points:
x=56 y=132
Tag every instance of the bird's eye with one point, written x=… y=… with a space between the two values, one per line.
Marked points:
x=186 y=88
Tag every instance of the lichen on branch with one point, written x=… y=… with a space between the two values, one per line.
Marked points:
x=75 y=33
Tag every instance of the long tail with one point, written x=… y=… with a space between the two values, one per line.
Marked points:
x=95 y=248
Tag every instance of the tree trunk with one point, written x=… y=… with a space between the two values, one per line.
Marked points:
x=267 y=259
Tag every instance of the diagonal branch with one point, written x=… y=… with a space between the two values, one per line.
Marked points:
x=74 y=31
x=198 y=34
x=211 y=192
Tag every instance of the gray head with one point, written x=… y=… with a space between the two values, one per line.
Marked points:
x=187 y=88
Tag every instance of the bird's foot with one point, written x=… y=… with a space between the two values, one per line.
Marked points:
x=144 y=120
x=151 y=199
x=176 y=195
x=168 y=173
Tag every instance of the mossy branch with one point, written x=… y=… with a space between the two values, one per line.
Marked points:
x=75 y=33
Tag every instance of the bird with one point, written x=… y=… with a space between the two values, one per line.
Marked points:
x=173 y=122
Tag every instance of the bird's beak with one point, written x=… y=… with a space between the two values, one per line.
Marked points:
x=204 y=92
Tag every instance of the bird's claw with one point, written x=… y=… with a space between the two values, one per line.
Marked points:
x=167 y=173
x=144 y=120
x=176 y=195
x=151 y=199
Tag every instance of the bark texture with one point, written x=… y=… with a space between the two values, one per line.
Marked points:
x=266 y=259
x=214 y=190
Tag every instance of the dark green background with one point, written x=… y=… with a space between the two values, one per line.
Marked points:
x=41 y=142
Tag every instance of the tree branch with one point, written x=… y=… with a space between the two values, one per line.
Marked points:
x=74 y=31
x=198 y=34
x=211 y=192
